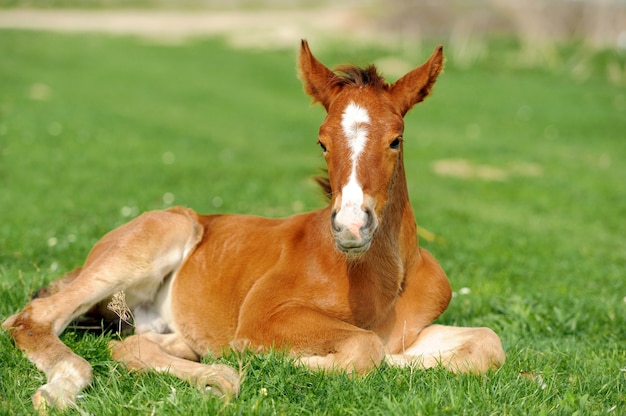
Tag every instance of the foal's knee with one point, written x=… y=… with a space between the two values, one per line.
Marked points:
x=358 y=354
x=362 y=353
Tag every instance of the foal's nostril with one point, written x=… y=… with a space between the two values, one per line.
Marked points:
x=333 y=223
x=370 y=219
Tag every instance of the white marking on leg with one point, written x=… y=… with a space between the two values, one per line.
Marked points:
x=354 y=123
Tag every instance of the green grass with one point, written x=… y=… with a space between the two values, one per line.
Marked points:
x=95 y=129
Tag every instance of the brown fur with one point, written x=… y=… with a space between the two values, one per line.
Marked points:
x=334 y=299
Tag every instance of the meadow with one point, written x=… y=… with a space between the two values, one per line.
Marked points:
x=517 y=178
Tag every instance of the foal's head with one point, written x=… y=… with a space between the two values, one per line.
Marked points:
x=361 y=138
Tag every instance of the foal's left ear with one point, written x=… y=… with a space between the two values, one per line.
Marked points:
x=417 y=84
x=319 y=81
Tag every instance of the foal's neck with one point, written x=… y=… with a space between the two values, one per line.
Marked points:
x=377 y=277
x=395 y=243
x=398 y=231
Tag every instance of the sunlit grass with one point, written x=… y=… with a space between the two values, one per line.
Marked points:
x=517 y=175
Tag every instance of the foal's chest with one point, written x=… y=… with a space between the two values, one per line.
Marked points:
x=371 y=297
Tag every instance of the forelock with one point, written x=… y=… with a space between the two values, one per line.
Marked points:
x=358 y=77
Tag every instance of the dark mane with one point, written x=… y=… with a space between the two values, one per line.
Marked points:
x=358 y=77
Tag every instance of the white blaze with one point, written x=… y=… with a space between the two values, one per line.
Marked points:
x=354 y=123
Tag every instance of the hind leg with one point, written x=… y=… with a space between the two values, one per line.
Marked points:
x=168 y=353
x=57 y=285
x=134 y=257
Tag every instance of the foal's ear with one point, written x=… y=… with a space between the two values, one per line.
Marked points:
x=319 y=81
x=416 y=85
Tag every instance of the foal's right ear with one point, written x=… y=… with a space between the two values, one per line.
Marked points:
x=319 y=81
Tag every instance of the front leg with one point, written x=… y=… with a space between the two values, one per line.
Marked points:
x=411 y=339
x=460 y=350
x=315 y=339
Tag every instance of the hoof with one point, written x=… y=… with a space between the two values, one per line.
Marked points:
x=219 y=380
x=49 y=396
x=67 y=380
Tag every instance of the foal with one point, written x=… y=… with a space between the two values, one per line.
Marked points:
x=342 y=288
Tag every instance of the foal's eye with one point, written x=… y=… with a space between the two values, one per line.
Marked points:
x=395 y=144
x=322 y=146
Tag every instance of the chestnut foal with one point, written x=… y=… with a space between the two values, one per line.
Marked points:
x=342 y=288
